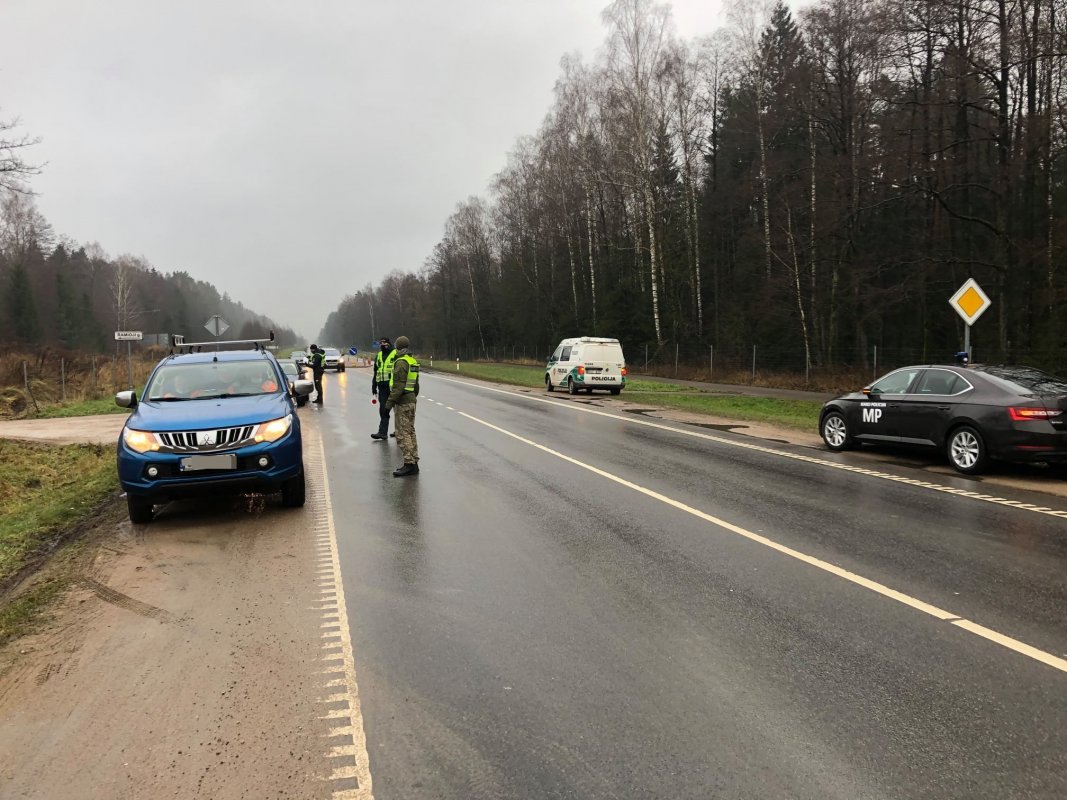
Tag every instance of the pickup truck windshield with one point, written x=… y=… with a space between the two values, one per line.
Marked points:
x=212 y=381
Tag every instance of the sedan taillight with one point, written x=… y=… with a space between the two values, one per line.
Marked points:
x=1026 y=413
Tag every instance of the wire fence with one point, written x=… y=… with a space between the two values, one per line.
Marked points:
x=781 y=367
x=31 y=381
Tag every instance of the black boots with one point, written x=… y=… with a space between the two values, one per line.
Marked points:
x=378 y=436
x=407 y=469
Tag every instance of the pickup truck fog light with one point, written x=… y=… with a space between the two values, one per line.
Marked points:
x=153 y=472
x=263 y=461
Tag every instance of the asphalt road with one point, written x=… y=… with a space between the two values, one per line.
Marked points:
x=576 y=602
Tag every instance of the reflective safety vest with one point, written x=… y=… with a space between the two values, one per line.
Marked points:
x=413 y=374
x=383 y=367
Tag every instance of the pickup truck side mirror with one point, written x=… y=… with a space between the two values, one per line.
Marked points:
x=302 y=388
x=126 y=399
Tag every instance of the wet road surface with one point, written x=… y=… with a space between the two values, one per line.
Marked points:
x=569 y=603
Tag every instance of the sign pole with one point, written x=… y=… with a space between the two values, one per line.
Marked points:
x=129 y=361
x=967 y=340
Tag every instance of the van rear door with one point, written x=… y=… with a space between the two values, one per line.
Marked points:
x=604 y=364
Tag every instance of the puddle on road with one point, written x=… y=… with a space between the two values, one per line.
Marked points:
x=715 y=426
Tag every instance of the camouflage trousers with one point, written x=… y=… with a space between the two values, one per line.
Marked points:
x=404 y=423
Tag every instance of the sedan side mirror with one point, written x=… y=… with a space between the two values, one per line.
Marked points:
x=126 y=399
x=302 y=388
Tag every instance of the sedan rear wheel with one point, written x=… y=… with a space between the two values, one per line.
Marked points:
x=548 y=384
x=835 y=432
x=966 y=450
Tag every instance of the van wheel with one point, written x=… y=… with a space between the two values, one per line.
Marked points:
x=140 y=509
x=571 y=388
x=548 y=384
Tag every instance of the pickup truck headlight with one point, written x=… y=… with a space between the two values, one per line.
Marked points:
x=275 y=429
x=139 y=441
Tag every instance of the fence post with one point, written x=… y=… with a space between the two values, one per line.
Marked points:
x=94 y=377
x=711 y=361
x=646 y=357
x=63 y=379
x=676 y=359
x=875 y=363
x=753 y=363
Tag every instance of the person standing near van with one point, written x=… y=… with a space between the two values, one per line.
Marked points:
x=383 y=373
x=403 y=396
x=317 y=362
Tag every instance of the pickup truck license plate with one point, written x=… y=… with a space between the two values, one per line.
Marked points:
x=193 y=463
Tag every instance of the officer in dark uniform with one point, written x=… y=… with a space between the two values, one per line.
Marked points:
x=383 y=376
x=317 y=362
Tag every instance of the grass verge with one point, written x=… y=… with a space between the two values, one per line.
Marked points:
x=798 y=414
x=46 y=492
x=103 y=405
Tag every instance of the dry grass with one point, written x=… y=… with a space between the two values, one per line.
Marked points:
x=88 y=378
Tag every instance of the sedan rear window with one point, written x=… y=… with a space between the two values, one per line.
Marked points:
x=1026 y=380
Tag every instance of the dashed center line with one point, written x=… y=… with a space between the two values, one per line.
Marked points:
x=852 y=577
x=823 y=462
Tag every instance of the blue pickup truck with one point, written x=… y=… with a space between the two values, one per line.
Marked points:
x=212 y=422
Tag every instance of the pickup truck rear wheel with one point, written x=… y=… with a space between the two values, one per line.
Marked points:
x=548 y=384
x=571 y=388
x=140 y=509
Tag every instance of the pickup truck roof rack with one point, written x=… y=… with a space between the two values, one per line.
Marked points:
x=178 y=342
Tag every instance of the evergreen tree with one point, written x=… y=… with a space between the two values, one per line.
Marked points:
x=66 y=312
x=21 y=307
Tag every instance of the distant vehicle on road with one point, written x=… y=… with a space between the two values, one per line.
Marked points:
x=212 y=422
x=972 y=414
x=334 y=359
x=588 y=363
x=294 y=372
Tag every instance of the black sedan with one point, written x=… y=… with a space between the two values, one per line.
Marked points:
x=972 y=414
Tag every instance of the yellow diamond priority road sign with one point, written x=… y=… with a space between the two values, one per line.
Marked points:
x=970 y=301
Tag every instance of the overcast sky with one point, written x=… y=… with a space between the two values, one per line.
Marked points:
x=290 y=153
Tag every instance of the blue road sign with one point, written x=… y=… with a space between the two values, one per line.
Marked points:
x=352 y=351
x=376 y=343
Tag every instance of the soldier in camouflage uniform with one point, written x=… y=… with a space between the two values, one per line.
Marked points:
x=403 y=395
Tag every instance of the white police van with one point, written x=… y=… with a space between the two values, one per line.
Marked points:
x=586 y=362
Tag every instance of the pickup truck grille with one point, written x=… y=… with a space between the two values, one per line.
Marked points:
x=207 y=440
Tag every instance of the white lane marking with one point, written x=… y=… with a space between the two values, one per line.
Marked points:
x=937 y=487
x=339 y=639
x=826 y=566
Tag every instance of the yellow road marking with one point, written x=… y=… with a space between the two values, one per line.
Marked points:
x=826 y=566
x=872 y=473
